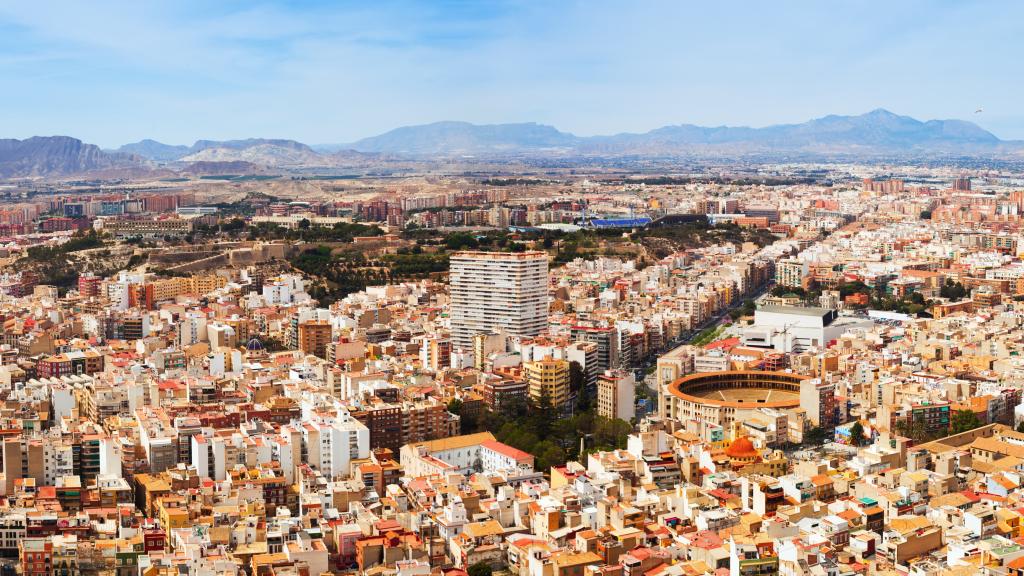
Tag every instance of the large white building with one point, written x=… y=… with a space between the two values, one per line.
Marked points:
x=793 y=329
x=478 y=452
x=497 y=291
x=332 y=446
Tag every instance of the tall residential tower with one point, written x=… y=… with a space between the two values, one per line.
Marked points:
x=498 y=291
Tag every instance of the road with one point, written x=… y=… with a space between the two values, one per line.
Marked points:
x=640 y=371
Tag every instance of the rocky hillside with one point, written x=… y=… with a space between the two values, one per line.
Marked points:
x=262 y=153
x=44 y=156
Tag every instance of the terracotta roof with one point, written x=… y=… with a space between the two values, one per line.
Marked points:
x=742 y=447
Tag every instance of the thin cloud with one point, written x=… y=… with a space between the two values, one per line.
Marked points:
x=329 y=72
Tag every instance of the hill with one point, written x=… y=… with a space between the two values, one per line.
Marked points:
x=466 y=138
x=266 y=151
x=154 y=150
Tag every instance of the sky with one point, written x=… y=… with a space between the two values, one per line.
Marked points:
x=113 y=72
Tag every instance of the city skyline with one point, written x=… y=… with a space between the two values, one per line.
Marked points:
x=324 y=73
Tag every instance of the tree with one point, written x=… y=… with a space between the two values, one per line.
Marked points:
x=913 y=429
x=460 y=240
x=851 y=288
x=548 y=454
x=304 y=224
x=1020 y=427
x=272 y=344
x=480 y=569
x=749 y=307
x=543 y=414
x=952 y=290
x=964 y=420
x=513 y=408
x=857 y=434
x=455 y=405
x=577 y=379
x=815 y=436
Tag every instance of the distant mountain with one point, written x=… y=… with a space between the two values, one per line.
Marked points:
x=203 y=168
x=155 y=150
x=876 y=133
x=58 y=156
x=466 y=138
x=201 y=145
x=271 y=152
x=879 y=131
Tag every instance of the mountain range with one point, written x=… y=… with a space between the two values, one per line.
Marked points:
x=878 y=132
x=257 y=150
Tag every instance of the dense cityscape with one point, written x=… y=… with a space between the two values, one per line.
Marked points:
x=511 y=288
x=546 y=377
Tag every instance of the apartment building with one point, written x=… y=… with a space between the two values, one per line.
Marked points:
x=497 y=291
x=550 y=377
x=314 y=337
x=616 y=395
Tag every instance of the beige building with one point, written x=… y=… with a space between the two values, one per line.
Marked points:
x=616 y=395
x=790 y=273
x=123 y=228
x=548 y=376
x=314 y=337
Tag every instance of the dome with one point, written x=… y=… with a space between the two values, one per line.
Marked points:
x=742 y=448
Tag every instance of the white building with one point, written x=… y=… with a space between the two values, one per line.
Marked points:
x=793 y=329
x=110 y=457
x=284 y=290
x=497 y=291
x=498 y=457
x=462 y=455
x=331 y=447
x=192 y=329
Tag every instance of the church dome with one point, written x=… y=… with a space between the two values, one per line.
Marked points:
x=742 y=448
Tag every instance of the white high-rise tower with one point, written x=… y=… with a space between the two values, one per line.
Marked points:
x=497 y=291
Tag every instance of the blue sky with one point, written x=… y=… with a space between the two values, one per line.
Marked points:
x=327 y=72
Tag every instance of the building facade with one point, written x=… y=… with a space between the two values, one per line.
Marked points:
x=497 y=291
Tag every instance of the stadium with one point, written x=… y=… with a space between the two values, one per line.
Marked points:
x=718 y=397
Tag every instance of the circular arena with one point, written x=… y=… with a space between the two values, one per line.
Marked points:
x=717 y=397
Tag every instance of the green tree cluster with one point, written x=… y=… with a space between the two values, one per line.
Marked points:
x=964 y=421
x=537 y=428
x=955 y=291
x=480 y=569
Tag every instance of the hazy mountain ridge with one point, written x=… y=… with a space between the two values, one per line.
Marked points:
x=154 y=150
x=879 y=132
x=450 y=137
x=223 y=150
x=876 y=131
